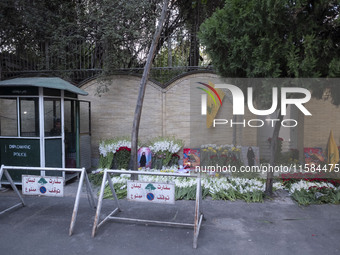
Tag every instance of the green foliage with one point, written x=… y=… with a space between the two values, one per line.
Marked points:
x=96 y=178
x=306 y=189
x=106 y=162
x=121 y=192
x=70 y=34
x=274 y=38
x=121 y=158
x=189 y=193
x=164 y=151
x=115 y=152
x=317 y=196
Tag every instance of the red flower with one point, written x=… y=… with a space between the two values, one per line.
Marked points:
x=124 y=148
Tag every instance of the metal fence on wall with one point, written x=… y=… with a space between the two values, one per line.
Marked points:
x=82 y=60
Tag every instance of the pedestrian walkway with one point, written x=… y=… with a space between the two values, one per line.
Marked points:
x=277 y=226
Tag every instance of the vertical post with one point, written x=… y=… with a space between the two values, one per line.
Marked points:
x=42 y=129
x=89 y=188
x=9 y=178
x=1 y=173
x=62 y=109
x=99 y=207
x=77 y=134
x=113 y=192
x=197 y=211
x=1 y=61
x=18 y=117
x=76 y=203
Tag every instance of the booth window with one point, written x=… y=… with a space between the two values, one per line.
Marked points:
x=8 y=117
x=52 y=117
x=70 y=132
x=29 y=117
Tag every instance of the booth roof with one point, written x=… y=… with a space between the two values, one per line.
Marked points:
x=45 y=82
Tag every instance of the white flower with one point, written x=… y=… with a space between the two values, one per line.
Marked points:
x=305 y=185
x=105 y=147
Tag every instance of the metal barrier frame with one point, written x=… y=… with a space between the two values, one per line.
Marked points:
x=83 y=175
x=198 y=211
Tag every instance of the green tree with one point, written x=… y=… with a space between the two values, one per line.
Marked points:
x=78 y=34
x=277 y=39
x=194 y=13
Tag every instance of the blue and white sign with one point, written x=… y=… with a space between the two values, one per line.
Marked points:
x=52 y=186
x=162 y=193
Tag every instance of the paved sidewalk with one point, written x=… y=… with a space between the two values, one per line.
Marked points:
x=275 y=227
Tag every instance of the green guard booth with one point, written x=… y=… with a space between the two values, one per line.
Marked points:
x=43 y=124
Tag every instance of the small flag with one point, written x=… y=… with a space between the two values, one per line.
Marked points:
x=332 y=151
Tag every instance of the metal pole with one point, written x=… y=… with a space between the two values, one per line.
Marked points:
x=89 y=188
x=99 y=207
x=4 y=171
x=8 y=176
x=197 y=212
x=113 y=192
x=76 y=203
x=149 y=173
x=77 y=134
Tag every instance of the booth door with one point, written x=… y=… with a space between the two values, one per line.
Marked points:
x=19 y=131
x=53 y=134
x=70 y=109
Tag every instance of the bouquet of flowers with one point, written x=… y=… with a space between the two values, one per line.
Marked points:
x=115 y=151
x=163 y=150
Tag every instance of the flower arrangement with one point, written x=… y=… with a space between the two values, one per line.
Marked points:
x=112 y=145
x=250 y=190
x=122 y=157
x=222 y=155
x=308 y=189
x=164 y=149
x=115 y=151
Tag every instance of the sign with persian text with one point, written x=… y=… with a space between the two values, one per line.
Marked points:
x=162 y=193
x=52 y=186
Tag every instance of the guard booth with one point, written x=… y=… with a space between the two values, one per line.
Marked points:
x=43 y=124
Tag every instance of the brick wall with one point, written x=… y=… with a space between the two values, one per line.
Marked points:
x=112 y=112
x=167 y=112
x=325 y=117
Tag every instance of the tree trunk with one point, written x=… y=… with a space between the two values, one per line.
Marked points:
x=273 y=148
x=133 y=165
x=194 y=53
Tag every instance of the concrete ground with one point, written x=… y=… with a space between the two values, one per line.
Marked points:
x=277 y=226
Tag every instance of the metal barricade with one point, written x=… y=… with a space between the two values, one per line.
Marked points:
x=83 y=175
x=198 y=211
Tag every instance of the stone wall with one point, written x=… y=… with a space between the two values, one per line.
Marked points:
x=172 y=112
x=325 y=117
x=112 y=111
x=166 y=112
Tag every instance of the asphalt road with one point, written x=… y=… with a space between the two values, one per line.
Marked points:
x=277 y=226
